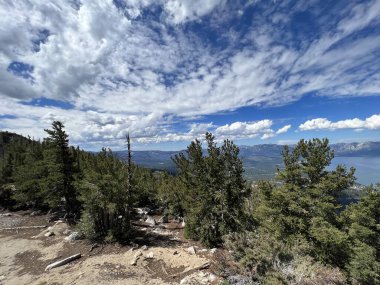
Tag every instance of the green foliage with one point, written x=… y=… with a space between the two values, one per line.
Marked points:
x=273 y=261
x=305 y=202
x=171 y=192
x=298 y=221
x=59 y=187
x=362 y=222
x=145 y=188
x=104 y=197
x=215 y=190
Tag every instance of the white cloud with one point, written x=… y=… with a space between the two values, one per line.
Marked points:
x=246 y=129
x=186 y=10
x=141 y=73
x=284 y=129
x=371 y=123
x=267 y=136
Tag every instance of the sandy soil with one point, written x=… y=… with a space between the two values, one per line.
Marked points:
x=25 y=253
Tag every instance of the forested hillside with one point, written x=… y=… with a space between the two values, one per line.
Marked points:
x=292 y=230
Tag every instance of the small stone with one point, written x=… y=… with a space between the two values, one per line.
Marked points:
x=150 y=221
x=150 y=255
x=191 y=250
x=212 y=277
x=213 y=250
x=163 y=219
x=134 y=261
x=138 y=253
x=67 y=232
x=49 y=234
x=144 y=247
x=73 y=236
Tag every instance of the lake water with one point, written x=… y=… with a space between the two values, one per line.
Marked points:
x=367 y=168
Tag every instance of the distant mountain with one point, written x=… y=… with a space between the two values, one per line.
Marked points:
x=357 y=149
x=260 y=161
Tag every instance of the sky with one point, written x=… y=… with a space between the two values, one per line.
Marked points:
x=167 y=71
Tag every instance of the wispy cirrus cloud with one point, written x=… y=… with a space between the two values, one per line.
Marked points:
x=143 y=65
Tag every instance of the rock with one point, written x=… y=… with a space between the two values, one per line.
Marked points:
x=73 y=236
x=144 y=247
x=136 y=257
x=198 y=278
x=238 y=280
x=191 y=250
x=213 y=250
x=163 y=219
x=48 y=234
x=212 y=277
x=134 y=261
x=138 y=253
x=150 y=221
x=142 y=211
x=67 y=232
x=35 y=213
x=150 y=255
x=59 y=228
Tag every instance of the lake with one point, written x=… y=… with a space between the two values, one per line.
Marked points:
x=367 y=168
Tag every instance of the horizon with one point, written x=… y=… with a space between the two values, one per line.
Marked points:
x=288 y=143
x=256 y=72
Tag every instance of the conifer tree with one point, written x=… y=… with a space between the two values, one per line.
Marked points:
x=305 y=204
x=215 y=189
x=59 y=184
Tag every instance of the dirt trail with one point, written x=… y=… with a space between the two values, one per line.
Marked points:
x=23 y=258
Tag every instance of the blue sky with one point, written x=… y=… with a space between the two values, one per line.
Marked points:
x=167 y=71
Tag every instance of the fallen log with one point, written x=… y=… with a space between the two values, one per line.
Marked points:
x=25 y=227
x=201 y=267
x=62 y=262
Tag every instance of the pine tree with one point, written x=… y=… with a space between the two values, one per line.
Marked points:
x=59 y=185
x=362 y=222
x=215 y=190
x=305 y=204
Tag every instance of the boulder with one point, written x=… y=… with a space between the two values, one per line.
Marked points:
x=73 y=236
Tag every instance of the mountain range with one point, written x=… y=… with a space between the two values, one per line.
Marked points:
x=260 y=161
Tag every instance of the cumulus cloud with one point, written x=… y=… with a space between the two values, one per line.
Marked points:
x=370 y=123
x=284 y=129
x=246 y=129
x=140 y=66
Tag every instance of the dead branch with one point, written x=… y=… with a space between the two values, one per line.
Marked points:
x=63 y=261
x=203 y=266
x=23 y=228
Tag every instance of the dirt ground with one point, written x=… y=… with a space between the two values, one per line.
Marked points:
x=164 y=256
